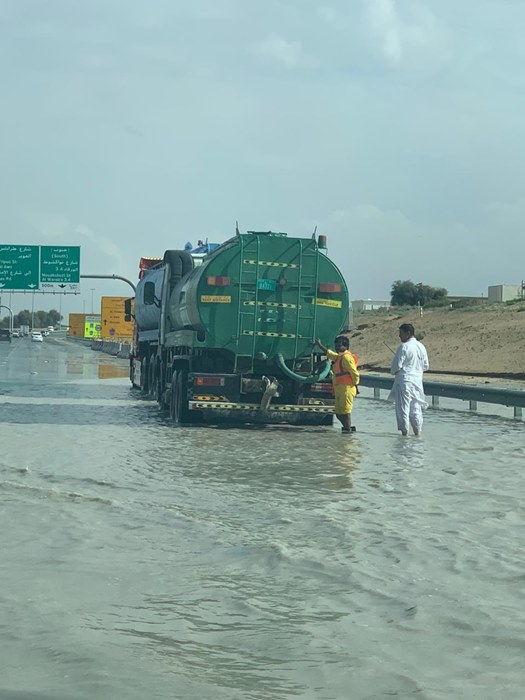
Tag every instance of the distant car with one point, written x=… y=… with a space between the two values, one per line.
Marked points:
x=36 y=337
x=15 y=334
x=51 y=328
x=5 y=335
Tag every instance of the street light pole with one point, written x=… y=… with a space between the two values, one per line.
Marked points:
x=92 y=290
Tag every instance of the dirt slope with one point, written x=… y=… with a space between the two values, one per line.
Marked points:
x=489 y=341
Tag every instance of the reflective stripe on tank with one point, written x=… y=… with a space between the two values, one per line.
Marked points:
x=271 y=335
x=254 y=407
x=267 y=263
x=273 y=304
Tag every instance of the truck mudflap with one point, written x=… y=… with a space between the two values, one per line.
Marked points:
x=251 y=413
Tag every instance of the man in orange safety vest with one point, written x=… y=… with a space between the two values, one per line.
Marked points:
x=345 y=378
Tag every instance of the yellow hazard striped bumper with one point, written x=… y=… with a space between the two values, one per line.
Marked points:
x=221 y=405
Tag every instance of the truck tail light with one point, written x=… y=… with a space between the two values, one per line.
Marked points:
x=209 y=381
x=218 y=281
x=329 y=287
x=322 y=388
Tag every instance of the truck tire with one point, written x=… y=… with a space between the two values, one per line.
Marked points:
x=144 y=375
x=172 y=410
x=179 y=411
x=152 y=384
x=161 y=388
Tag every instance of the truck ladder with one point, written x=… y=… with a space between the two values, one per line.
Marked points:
x=247 y=275
x=311 y=280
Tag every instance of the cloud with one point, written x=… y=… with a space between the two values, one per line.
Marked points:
x=509 y=215
x=373 y=246
x=155 y=15
x=99 y=253
x=289 y=53
x=387 y=27
x=401 y=36
x=327 y=14
x=123 y=119
x=109 y=252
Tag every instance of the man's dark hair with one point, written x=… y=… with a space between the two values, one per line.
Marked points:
x=407 y=328
x=343 y=340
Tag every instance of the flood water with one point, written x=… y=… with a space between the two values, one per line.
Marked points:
x=141 y=560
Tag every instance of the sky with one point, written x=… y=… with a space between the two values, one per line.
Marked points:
x=395 y=127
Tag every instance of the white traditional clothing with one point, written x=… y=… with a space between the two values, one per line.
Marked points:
x=408 y=365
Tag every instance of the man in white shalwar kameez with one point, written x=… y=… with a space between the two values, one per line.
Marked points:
x=408 y=365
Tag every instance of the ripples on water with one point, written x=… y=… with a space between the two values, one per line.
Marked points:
x=141 y=560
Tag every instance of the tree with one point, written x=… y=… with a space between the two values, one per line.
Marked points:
x=42 y=319
x=22 y=318
x=403 y=293
x=406 y=293
x=54 y=318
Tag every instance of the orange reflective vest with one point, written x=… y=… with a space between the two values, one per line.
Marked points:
x=340 y=376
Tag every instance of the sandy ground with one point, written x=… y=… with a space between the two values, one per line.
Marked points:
x=478 y=345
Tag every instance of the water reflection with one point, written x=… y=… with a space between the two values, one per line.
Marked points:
x=103 y=369
x=344 y=458
x=277 y=458
x=107 y=371
x=406 y=454
x=412 y=453
x=75 y=366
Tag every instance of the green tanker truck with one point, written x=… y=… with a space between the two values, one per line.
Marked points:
x=227 y=333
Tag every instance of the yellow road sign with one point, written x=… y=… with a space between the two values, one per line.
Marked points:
x=114 y=327
x=76 y=325
x=92 y=326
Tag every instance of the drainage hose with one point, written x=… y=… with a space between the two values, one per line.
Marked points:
x=319 y=376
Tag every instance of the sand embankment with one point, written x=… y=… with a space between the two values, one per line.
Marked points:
x=485 y=344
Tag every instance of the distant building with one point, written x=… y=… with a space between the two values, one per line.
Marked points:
x=505 y=292
x=349 y=323
x=360 y=305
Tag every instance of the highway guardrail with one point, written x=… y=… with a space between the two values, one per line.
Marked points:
x=514 y=398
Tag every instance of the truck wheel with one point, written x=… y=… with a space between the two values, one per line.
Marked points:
x=179 y=398
x=182 y=395
x=152 y=387
x=161 y=392
x=144 y=375
x=172 y=396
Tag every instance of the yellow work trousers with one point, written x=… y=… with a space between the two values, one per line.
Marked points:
x=344 y=398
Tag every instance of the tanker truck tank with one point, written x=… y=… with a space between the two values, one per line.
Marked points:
x=261 y=295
